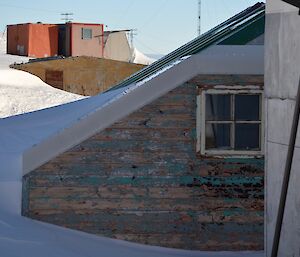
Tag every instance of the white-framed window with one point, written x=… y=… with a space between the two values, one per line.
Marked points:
x=230 y=121
x=86 y=33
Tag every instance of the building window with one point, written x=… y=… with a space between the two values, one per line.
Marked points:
x=231 y=122
x=86 y=34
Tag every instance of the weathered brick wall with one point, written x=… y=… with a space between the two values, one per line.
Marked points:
x=141 y=180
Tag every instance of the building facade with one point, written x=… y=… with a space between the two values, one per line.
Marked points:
x=45 y=40
x=34 y=40
x=93 y=75
x=172 y=156
x=143 y=180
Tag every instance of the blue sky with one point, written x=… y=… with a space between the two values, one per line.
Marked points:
x=162 y=25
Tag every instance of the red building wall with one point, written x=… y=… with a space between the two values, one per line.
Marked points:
x=18 y=39
x=43 y=40
x=34 y=40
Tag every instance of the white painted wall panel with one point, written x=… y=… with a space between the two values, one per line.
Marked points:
x=278 y=6
x=282 y=72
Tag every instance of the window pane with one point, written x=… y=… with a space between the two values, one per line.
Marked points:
x=218 y=107
x=247 y=136
x=86 y=33
x=217 y=136
x=247 y=107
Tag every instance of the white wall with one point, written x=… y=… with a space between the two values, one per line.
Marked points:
x=282 y=72
x=117 y=47
x=275 y=6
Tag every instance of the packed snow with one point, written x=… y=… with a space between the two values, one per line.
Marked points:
x=140 y=58
x=2 y=42
x=22 y=237
x=19 y=236
x=21 y=92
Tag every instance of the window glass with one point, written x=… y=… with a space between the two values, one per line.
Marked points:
x=217 y=136
x=218 y=107
x=247 y=137
x=247 y=107
x=86 y=33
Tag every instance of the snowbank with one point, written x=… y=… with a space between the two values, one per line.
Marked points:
x=3 y=42
x=22 y=237
x=21 y=92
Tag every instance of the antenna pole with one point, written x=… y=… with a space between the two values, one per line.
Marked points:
x=67 y=16
x=199 y=17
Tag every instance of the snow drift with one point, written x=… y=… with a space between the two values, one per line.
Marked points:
x=21 y=92
x=140 y=58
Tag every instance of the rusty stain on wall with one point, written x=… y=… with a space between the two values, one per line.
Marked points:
x=142 y=180
x=82 y=75
x=55 y=78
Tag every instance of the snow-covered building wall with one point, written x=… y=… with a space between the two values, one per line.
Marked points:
x=144 y=179
x=282 y=60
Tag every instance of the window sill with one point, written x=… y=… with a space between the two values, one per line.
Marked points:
x=231 y=154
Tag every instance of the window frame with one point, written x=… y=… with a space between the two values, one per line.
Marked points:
x=201 y=121
x=82 y=34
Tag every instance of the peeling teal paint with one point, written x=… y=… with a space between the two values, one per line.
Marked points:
x=144 y=169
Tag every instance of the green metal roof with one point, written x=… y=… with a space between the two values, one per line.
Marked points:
x=246 y=25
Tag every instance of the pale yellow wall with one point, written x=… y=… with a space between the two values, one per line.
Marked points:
x=84 y=75
x=117 y=47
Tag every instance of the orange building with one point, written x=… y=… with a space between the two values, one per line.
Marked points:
x=34 y=40
x=45 y=40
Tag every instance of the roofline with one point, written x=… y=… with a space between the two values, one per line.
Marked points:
x=94 y=122
x=85 y=24
x=30 y=23
x=211 y=37
x=229 y=62
x=120 y=30
x=295 y=3
x=56 y=24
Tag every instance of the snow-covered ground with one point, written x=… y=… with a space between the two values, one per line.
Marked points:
x=21 y=92
x=21 y=237
x=2 y=42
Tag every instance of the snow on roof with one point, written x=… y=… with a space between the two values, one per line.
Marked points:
x=76 y=121
x=29 y=140
x=140 y=58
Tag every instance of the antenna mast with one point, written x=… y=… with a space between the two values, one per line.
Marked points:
x=67 y=16
x=199 y=17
